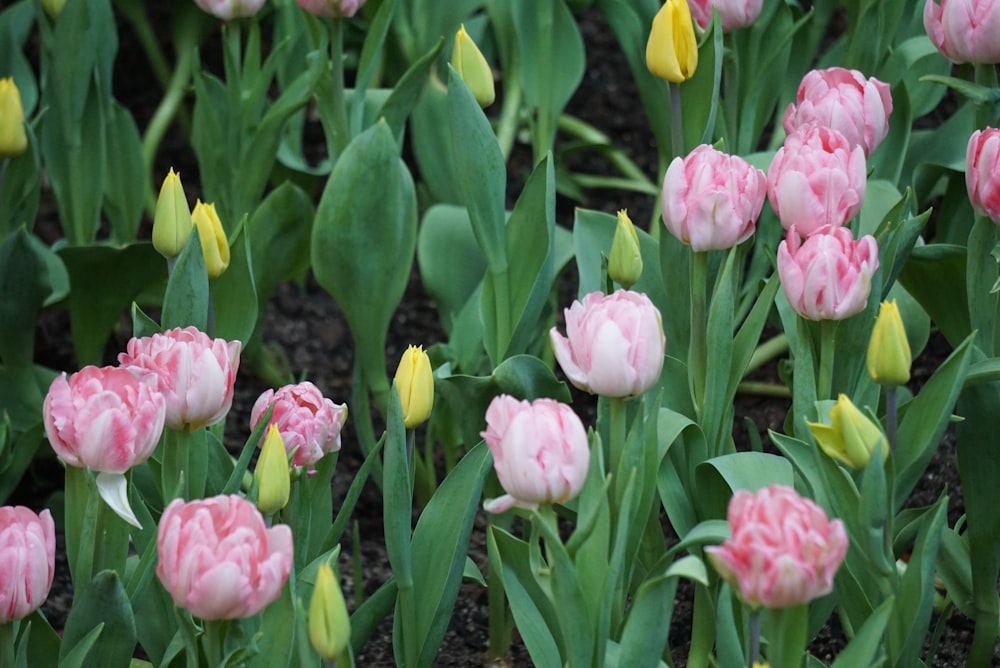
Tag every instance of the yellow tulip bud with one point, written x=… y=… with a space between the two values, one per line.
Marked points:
x=414 y=381
x=53 y=8
x=273 y=479
x=329 y=623
x=851 y=437
x=672 y=49
x=625 y=261
x=172 y=221
x=471 y=65
x=214 y=244
x=13 y=136
x=889 y=355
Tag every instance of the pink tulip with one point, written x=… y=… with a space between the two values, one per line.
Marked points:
x=615 y=344
x=982 y=172
x=827 y=277
x=845 y=101
x=219 y=560
x=817 y=178
x=27 y=561
x=334 y=8
x=108 y=419
x=309 y=423
x=783 y=552
x=964 y=31
x=196 y=373
x=231 y=9
x=540 y=452
x=733 y=14
x=711 y=200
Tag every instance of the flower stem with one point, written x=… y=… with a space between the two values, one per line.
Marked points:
x=676 y=124
x=891 y=418
x=827 y=349
x=698 y=347
x=754 y=637
x=8 y=634
x=214 y=640
x=339 y=111
x=617 y=432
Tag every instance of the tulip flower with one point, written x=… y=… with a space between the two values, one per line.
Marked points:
x=53 y=8
x=13 y=136
x=828 y=276
x=850 y=437
x=196 y=373
x=733 y=14
x=414 y=381
x=27 y=561
x=711 y=200
x=816 y=178
x=309 y=423
x=273 y=480
x=214 y=244
x=329 y=621
x=783 y=551
x=889 y=356
x=842 y=100
x=471 y=65
x=672 y=49
x=982 y=172
x=219 y=560
x=335 y=8
x=614 y=344
x=540 y=452
x=172 y=220
x=231 y=9
x=107 y=419
x=625 y=258
x=964 y=31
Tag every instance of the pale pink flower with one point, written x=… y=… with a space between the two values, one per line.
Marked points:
x=711 y=200
x=845 y=101
x=964 y=31
x=196 y=373
x=27 y=561
x=614 y=344
x=817 y=178
x=105 y=418
x=309 y=423
x=219 y=560
x=982 y=172
x=733 y=14
x=783 y=551
x=828 y=276
x=230 y=9
x=334 y=8
x=540 y=452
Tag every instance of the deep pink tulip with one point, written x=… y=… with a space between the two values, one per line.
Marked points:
x=540 y=452
x=964 y=31
x=828 y=276
x=614 y=344
x=783 y=552
x=231 y=9
x=982 y=172
x=711 y=200
x=219 y=560
x=845 y=101
x=196 y=373
x=733 y=14
x=105 y=418
x=817 y=178
x=334 y=8
x=309 y=423
x=27 y=561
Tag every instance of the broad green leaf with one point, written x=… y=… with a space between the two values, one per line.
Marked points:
x=864 y=646
x=717 y=478
x=185 y=301
x=125 y=185
x=101 y=602
x=446 y=233
x=234 y=294
x=935 y=276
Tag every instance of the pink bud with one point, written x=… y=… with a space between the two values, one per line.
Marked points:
x=614 y=344
x=309 y=423
x=964 y=31
x=817 y=178
x=783 y=552
x=845 y=101
x=334 y=8
x=711 y=200
x=196 y=373
x=27 y=561
x=733 y=14
x=982 y=172
x=540 y=451
x=231 y=9
x=105 y=418
x=219 y=560
x=827 y=277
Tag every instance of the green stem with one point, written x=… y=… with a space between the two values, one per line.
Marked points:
x=214 y=641
x=591 y=135
x=891 y=418
x=617 y=431
x=754 y=654
x=764 y=389
x=501 y=627
x=676 y=121
x=986 y=75
x=702 y=628
x=175 y=463
x=8 y=634
x=827 y=349
x=510 y=114
x=766 y=352
x=339 y=110
x=698 y=348
x=501 y=293
x=82 y=508
x=135 y=13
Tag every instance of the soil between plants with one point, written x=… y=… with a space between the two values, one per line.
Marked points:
x=303 y=325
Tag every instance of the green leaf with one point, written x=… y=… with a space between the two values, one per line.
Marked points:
x=446 y=233
x=102 y=602
x=717 y=478
x=124 y=185
x=185 y=302
x=864 y=646
x=234 y=294
x=935 y=276
x=407 y=90
x=279 y=231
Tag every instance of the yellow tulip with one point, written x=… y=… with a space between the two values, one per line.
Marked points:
x=851 y=437
x=172 y=221
x=329 y=623
x=273 y=479
x=672 y=49
x=13 y=136
x=471 y=65
x=889 y=356
x=214 y=244
x=414 y=381
x=625 y=260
